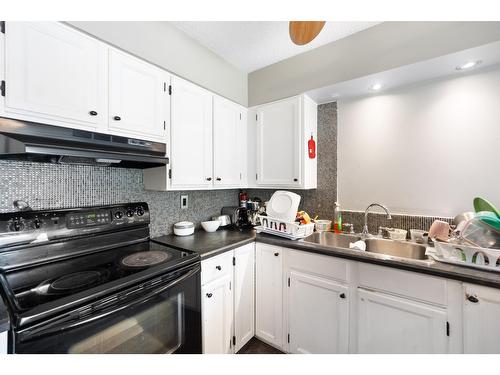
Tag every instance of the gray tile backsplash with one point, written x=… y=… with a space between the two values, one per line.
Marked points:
x=46 y=186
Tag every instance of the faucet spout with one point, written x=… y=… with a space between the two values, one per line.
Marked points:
x=365 y=232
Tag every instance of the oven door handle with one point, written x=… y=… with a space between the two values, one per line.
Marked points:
x=55 y=327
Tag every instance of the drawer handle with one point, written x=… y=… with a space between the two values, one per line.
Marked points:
x=209 y=295
x=117 y=118
x=218 y=267
x=209 y=178
x=276 y=254
x=93 y=113
x=295 y=179
x=472 y=298
x=342 y=295
x=219 y=179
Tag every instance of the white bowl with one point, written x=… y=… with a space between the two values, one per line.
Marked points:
x=210 y=226
x=183 y=228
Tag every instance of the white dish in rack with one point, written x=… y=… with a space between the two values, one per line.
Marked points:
x=283 y=205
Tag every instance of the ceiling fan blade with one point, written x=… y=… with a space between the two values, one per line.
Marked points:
x=303 y=32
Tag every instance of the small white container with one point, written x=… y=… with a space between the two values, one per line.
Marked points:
x=397 y=234
x=183 y=228
x=210 y=226
x=323 y=225
x=419 y=236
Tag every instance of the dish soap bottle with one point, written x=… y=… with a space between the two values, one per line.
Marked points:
x=337 y=219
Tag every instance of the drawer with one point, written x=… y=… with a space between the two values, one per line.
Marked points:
x=217 y=266
x=324 y=265
x=405 y=283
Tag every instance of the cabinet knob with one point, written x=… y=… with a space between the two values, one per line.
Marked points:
x=218 y=268
x=342 y=295
x=209 y=295
x=93 y=113
x=472 y=298
x=209 y=178
x=295 y=179
x=276 y=254
x=219 y=179
x=117 y=118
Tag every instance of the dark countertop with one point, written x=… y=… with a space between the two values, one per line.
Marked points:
x=211 y=244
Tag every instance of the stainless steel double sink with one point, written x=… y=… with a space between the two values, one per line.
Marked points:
x=401 y=249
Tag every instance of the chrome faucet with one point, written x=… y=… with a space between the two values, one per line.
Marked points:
x=365 y=232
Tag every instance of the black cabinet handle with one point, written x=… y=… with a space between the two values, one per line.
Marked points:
x=295 y=179
x=209 y=178
x=93 y=113
x=218 y=267
x=219 y=179
x=209 y=295
x=342 y=295
x=117 y=118
x=472 y=298
x=276 y=254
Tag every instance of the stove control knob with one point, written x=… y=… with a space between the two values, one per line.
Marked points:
x=118 y=214
x=140 y=211
x=37 y=223
x=17 y=226
x=130 y=212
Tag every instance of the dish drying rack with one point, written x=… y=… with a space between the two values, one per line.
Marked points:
x=466 y=255
x=290 y=230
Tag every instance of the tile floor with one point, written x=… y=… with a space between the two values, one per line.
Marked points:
x=255 y=346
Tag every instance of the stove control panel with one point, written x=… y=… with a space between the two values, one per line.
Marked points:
x=40 y=226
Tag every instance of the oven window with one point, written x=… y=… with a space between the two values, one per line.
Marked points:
x=154 y=329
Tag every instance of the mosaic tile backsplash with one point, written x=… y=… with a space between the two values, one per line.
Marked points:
x=46 y=186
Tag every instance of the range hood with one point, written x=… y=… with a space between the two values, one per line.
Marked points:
x=30 y=141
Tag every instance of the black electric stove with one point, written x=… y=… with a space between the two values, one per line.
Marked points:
x=90 y=280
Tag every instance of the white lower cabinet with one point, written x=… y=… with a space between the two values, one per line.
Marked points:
x=481 y=312
x=318 y=314
x=227 y=296
x=269 y=294
x=217 y=308
x=3 y=342
x=389 y=324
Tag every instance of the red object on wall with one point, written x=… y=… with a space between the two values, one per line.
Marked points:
x=311 y=146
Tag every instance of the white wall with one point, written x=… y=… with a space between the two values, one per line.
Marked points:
x=427 y=149
x=166 y=46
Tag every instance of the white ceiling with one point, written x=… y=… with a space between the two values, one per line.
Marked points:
x=253 y=45
x=443 y=66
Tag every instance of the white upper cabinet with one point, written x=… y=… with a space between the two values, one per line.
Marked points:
x=139 y=103
x=282 y=130
x=318 y=315
x=228 y=130
x=481 y=309
x=56 y=75
x=393 y=325
x=190 y=136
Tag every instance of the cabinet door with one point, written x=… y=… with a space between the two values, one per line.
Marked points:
x=481 y=315
x=388 y=324
x=217 y=313
x=269 y=292
x=190 y=136
x=244 y=308
x=318 y=315
x=138 y=97
x=55 y=74
x=228 y=154
x=3 y=342
x=278 y=143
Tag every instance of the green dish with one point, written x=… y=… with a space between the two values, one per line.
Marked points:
x=489 y=218
x=481 y=204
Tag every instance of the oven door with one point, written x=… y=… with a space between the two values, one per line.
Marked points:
x=159 y=316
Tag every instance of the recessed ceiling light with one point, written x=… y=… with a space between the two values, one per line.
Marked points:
x=376 y=86
x=468 y=65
